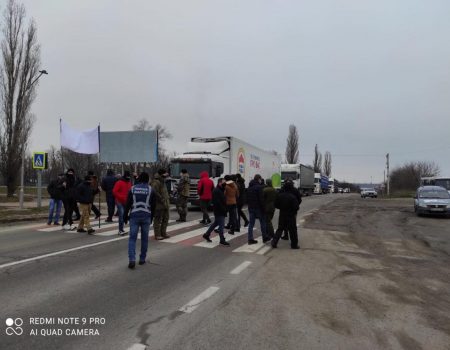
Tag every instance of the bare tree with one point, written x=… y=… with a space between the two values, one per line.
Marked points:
x=19 y=71
x=317 y=160
x=327 y=163
x=292 y=145
x=407 y=177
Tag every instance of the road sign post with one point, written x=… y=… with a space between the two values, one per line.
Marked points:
x=39 y=188
x=39 y=163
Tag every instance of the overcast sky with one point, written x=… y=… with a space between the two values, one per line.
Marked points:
x=356 y=77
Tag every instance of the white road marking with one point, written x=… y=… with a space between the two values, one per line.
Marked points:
x=195 y=303
x=241 y=268
x=137 y=347
x=60 y=252
x=216 y=240
x=184 y=236
x=249 y=248
x=93 y=224
x=264 y=250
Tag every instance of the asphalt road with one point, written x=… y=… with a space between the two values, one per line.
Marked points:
x=51 y=278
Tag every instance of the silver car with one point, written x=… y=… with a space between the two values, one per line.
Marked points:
x=432 y=200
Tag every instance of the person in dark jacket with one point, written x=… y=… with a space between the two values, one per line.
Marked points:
x=289 y=205
x=297 y=195
x=240 y=182
x=85 y=197
x=220 y=212
x=107 y=185
x=55 y=190
x=269 y=194
x=95 y=189
x=255 y=201
x=69 y=200
x=141 y=203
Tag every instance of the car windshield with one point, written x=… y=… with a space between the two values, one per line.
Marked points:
x=193 y=169
x=288 y=174
x=443 y=183
x=434 y=194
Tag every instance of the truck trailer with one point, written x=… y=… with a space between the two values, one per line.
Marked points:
x=220 y=156
x=301 y=175
x=321 y=184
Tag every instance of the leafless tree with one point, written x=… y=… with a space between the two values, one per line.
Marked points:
x=317 y=160
x=19 y=71
x=407 y=177
x=292 y=145
x=327 y=163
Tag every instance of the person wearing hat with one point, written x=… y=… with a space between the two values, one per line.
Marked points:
x=183 y=188
x=140 y=206
x=120 y=192
x=161 y=216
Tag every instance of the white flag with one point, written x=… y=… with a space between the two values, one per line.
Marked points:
x=86 y=142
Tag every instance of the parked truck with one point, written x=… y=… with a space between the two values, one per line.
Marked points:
x=219 y=156
x=321 y=184
x=301 y=175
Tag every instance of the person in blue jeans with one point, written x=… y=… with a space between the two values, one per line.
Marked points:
x=220 y=212
x=255 y=202
x=139 y=208
x=55 y=190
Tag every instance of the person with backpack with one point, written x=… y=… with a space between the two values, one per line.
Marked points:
x=140 y=206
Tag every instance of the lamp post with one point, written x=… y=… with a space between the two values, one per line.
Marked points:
x=22 y=168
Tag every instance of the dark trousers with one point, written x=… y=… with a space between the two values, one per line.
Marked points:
x=232 y=214
x=69 y=204
x=286 y=221
x=95 y=210
x=76 y=210
x=204 y=207
x=218 y=221
x=111 y=203
x=241 y=214
x=269 y=225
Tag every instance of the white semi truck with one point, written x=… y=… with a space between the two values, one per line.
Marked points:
x=220 y=156
x=301 y=175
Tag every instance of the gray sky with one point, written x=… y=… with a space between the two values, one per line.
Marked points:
x=356 y=77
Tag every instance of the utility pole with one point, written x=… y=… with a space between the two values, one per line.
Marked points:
x=387 y=175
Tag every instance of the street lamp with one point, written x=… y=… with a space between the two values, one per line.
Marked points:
x=22 y=168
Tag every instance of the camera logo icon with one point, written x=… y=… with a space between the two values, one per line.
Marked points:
x=14 y=326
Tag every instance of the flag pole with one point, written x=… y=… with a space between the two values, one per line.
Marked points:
x=100 y=173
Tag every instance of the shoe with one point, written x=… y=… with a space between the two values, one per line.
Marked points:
x=109 y=220
x=252 y=241
x=141 y=262
x=273 y=245
x=265 y=240
x=81 y=230
x=131 y=264
x=286 y=238
x=49 y=223
x=208 y=222
x=91 y=231
x=72 y=228
x=166 y=236
x=295 y=247
x=227 y=227
x=246 y=224
x=225 y=243
x=56 y=223
x=98 y=217
x=179 y=220
x=207 y=238
x=237 y=230
x=159 y=238
x=122 y=233
x=66 y=227
x=202 y=222
x=231 y=233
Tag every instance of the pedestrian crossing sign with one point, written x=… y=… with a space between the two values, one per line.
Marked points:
x=40 y=160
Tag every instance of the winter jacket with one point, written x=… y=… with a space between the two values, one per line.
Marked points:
x=69 y=191
x=241 y=187
x=219 y=202
x=160 y=190
x=287 y=203
x=108 y=183
x=231 y=193
x=183 y=186
x=269 y=195
x=120 y=190
x=255 y=198
x=84 y=193
x=55 y=189
x=205 y=187
x=295 y=192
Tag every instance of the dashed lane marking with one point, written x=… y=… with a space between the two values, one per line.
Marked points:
x=195 y=303
x=241 y=268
